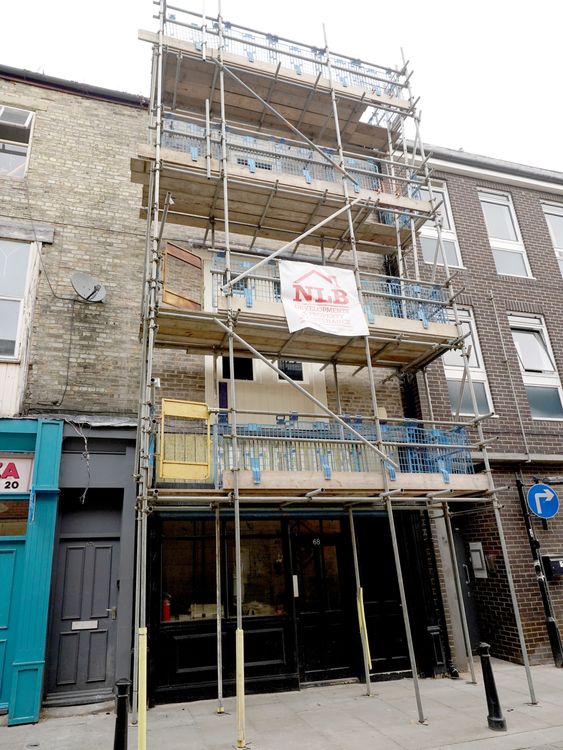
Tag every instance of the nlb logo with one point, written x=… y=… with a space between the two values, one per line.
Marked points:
x=319 y=288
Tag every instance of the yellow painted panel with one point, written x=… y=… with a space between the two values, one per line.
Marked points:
x=186 y=409
x=185 y=455
x=183 y=470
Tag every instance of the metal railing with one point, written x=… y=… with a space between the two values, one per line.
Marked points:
x=302 y=59
x=327 y=447
x=389 y=296
x=270 y=157
x=293 y=444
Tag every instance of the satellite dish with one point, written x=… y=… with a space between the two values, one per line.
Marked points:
x=87 y=287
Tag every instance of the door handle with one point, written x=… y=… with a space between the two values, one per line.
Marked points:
x=466 y=571
x=112 y=612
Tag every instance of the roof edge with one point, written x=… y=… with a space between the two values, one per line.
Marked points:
x=21 y=75
x=494 y=165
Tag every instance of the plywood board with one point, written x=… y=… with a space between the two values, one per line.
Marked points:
x=342 y=483
x=396 y=342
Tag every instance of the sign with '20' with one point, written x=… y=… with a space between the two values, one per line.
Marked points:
x=15 y=472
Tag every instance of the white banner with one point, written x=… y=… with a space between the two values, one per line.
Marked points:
x=321 y=297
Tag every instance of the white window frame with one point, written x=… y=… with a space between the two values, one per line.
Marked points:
x=28 y=126
x=440 y=193
x=517 y=246
x=24 y=300
x=554 y=209
x=477 y=371
x=547 y=379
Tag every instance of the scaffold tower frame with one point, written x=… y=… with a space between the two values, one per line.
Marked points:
x=406 y=166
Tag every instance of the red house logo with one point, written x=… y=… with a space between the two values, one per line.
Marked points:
x=315 y=286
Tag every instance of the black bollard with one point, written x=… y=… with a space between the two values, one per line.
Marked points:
x=121 y=713
x=495 y=718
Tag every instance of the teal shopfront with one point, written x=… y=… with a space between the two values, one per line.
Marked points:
x=30 y=452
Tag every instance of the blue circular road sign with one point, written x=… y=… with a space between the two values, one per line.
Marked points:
x=543 y=500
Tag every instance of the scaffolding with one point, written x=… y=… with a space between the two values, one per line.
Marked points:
x=265 y=138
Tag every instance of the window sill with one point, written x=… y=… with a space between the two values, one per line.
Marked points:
x=441 y=265
x=516 y=276
x=10 y=361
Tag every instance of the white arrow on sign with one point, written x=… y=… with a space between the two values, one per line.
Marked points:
x=545 y=495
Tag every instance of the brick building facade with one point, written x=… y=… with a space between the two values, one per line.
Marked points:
x=69 y=380
x=522 y=446
x=79 y=364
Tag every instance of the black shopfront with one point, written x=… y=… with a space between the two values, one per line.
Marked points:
x=298 y=597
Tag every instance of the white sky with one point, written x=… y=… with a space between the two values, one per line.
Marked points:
x=488 y=72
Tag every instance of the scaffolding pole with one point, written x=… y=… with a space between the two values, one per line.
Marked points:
x=360 y=605
x=219 y=613
x=239 y=635
x=404 y=607
x=145 y=448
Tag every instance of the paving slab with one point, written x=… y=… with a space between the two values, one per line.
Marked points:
x=337 y=717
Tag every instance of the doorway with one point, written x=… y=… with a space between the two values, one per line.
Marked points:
x=324 y=600
x=85 y=599
x=11 y=569
x=467 y=583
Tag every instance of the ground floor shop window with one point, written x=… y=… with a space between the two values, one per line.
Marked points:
x=188 y=570
x=13 y=517
x=262 y=568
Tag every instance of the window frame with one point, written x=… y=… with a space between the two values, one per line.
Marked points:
x=512 y=246
x=554 y=209
x=450 y=234
x=225 y=369
x=28 y=127
x=24 y=301
x=478 y=372
x=546 y=379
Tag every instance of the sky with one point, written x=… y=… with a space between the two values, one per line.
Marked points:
x=487 y=71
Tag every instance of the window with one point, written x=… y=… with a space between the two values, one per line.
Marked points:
x=15 y=134
x=243 y=368
x=429 y=234
x=508 y=249
x=262 y=569
x=188 y=570
x=453 y=368
x=554 y=218
x=13 y=517
x=14 y=264
x=291 y=368
x=537 y=365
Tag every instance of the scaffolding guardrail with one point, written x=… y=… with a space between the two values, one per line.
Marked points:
x=326 y=447
x=301 y=59
x=296 y=445
x=274 y=156
x=389 y=296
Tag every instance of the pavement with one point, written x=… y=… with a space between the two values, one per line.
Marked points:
x=338 y=717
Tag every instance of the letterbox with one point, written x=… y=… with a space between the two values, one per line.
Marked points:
x=553 y=565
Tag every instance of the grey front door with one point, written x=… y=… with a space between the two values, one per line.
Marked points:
x=83 y=632
x=467 y=581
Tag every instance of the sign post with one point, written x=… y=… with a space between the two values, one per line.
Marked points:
x=543 y=502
